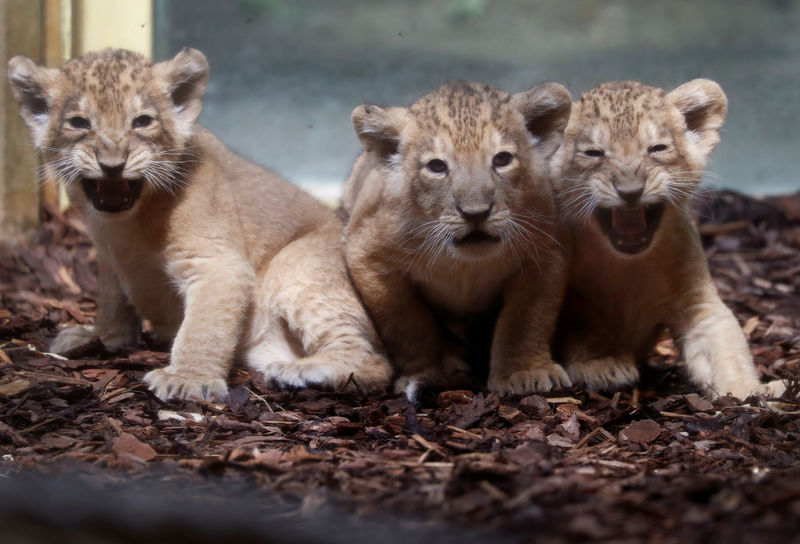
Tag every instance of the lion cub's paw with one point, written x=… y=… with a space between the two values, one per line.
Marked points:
x=451 y=373
x=421 y=389
x=168 y=383
x=413 y=386
x=540 y=379
x=305 y=373
x=337 y=371
x=72 y=337
x=771 y=390
x=604 y=374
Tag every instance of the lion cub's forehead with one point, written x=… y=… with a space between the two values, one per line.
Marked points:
x=467 y=113
x=112 y=79
x=621 y=112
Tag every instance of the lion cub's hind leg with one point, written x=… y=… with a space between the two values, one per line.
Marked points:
x=117 y=324
x=72 y=337
x=310 y=329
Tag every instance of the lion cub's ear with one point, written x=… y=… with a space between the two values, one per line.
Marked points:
x=703 y=106
x=379 y=130
x=30 y=84
x=546 y=111
x=186 y=80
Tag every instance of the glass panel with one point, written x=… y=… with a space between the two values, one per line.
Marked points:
x=287 y=73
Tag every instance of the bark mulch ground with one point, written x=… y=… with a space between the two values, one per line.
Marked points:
x=653 y=464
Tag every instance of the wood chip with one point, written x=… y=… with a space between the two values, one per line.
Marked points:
x=65 y=276
x=470 y=460
x=643 y=431
x=127 y=444
x=698 y=403
x=12 y=389
x=751 y=325
x=562 y=400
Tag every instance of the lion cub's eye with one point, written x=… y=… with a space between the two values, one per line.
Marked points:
x=503 y=158
x=142 y=121
x=79 y=123
x=657 y=148
x=437 y=166
x=596 y=153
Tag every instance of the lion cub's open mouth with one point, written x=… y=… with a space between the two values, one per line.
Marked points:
x=112 y=196
x=476 y=237
x=630 y=229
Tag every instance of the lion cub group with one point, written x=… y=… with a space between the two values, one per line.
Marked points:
x=547 y=240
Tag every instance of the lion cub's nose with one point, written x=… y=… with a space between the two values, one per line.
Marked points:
x=112 y=171
x=630 y=196
x=476 y=213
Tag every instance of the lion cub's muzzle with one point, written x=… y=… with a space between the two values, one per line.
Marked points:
x=476 y=236
x=475 y=218
x=630 y=229
x=112 y=195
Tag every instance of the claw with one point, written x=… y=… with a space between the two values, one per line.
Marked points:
x=182 y=385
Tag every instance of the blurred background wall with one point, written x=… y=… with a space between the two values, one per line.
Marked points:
x=287 y=73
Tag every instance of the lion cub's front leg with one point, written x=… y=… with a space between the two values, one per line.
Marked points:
x=715 y=349
x=604 y=373
x=217 y=293
x=590 y=351
x=117 y=324
x=521 y=361
x=409 y=330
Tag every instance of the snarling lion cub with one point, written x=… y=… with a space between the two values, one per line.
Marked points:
x=220 y=256
x=632 y=157
x=452 y=223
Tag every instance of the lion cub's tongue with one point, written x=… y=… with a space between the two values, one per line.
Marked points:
x=629 y=222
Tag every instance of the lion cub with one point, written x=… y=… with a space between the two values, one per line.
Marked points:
x=631 y=158
x=222 y=257
x=453 y=223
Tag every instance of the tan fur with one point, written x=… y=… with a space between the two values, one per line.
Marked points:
x=655 y=146
x=405 y=220
x=221 y=256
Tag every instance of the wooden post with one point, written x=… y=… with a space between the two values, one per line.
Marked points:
x=20 y=34
x=113 y=23
x=57 y=27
